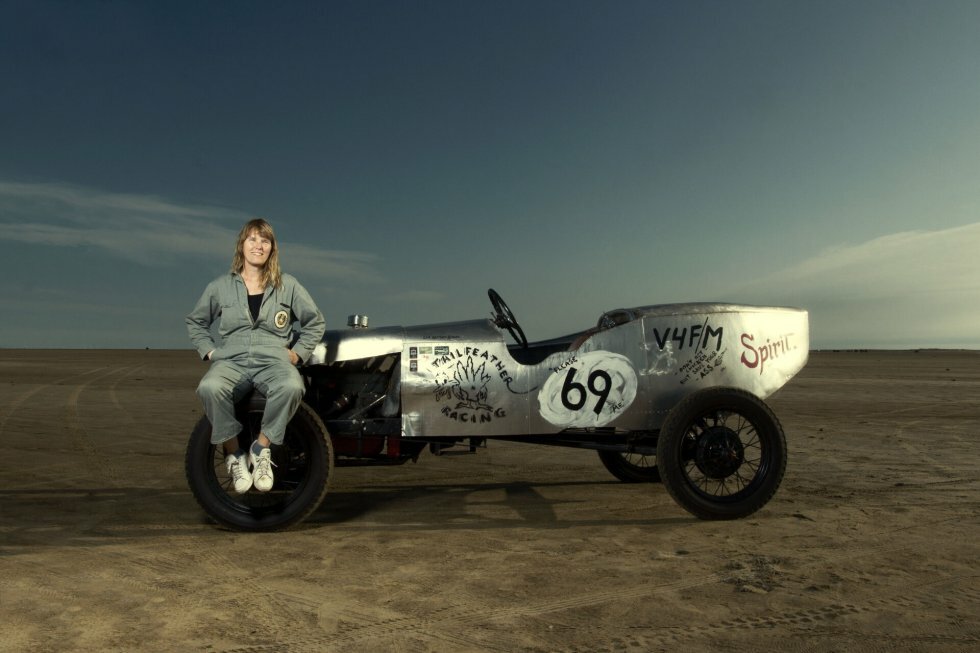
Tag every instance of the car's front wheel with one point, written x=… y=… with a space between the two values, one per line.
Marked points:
x=721 y=453
x=303 y=467
x=631 y=467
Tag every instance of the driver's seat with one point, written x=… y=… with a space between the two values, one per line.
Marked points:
x=607 y=320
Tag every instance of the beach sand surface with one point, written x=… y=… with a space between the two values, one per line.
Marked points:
x=871 y=543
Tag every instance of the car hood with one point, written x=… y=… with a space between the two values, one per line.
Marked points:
x=353 y=344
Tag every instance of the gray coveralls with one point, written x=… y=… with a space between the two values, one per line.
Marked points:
x=252 y=353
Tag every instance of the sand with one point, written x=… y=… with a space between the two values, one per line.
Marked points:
x=870 y=544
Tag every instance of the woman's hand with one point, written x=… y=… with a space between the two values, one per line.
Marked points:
x=293 y=358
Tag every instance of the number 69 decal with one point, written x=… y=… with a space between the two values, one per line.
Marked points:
x=590 y=389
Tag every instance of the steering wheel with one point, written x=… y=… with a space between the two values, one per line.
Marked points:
x=504 y=318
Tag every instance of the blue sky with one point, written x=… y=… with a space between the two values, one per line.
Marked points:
x=576 y=156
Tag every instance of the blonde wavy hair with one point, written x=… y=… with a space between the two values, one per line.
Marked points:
x=271 y=274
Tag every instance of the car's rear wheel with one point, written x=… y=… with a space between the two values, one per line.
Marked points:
x=631 y=467
x=721 y=453
x=302 y=472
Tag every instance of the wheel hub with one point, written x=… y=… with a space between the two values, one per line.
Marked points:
x=720 y=452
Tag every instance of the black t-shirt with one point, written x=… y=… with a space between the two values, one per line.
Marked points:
x=254 y=303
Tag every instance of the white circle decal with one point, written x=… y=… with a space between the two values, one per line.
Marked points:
x=588 y=390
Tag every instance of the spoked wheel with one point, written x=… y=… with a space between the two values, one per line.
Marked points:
x=631 y=467
x=721 y=453
x=303 y=469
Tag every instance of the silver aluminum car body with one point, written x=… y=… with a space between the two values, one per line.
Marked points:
x=461 y=379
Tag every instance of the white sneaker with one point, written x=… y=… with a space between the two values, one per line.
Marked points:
x=261 y=469
x=238 y=470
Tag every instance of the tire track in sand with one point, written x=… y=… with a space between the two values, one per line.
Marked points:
x=361 y=626
x=81 y=438
x=812 y=622
x=19 y=401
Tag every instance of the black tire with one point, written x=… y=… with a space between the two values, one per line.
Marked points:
x=303 y=470
x=631 y=467
x=721 y=453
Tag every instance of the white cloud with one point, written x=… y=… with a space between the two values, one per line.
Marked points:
x=84 y=201
x=909 y=289
x=150 y=230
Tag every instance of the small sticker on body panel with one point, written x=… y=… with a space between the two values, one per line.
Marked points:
x=588 y=390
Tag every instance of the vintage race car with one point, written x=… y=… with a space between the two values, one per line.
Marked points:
x=671 y=393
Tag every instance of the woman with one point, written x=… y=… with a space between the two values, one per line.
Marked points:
x=254 y=307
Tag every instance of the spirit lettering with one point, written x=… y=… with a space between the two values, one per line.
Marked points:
x=756 y=356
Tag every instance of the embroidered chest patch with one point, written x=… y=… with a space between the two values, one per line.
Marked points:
x=281 y=319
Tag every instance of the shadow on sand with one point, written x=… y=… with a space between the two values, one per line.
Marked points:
x=101 y=516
